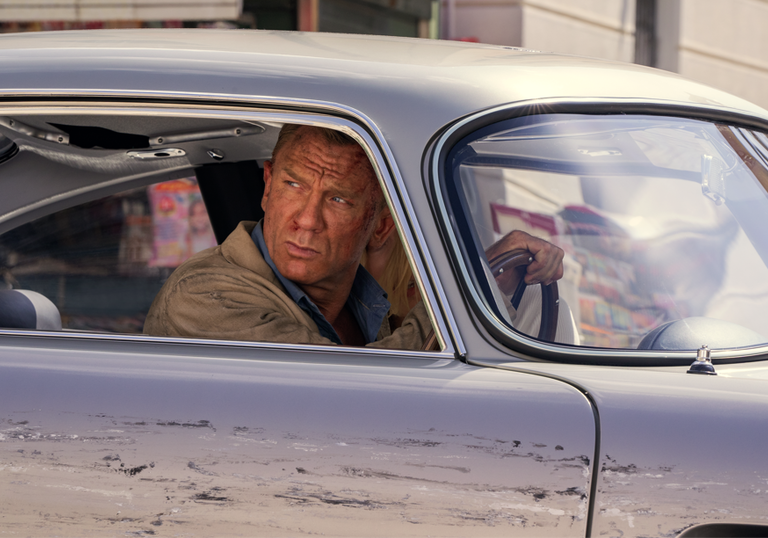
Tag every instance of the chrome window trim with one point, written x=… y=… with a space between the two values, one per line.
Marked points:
x=268 y=109
x=530 y=347
x=180 y=342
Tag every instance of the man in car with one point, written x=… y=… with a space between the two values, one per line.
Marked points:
x=295 y=277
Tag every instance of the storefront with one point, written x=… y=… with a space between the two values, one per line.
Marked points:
x=41 y=15
x=408 y=18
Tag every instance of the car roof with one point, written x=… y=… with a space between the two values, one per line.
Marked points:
x=424 y=82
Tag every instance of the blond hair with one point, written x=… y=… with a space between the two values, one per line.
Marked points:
x=396 y=279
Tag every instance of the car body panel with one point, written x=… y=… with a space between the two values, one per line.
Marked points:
x=120 y=438
x=697 y=445
x=377 y=71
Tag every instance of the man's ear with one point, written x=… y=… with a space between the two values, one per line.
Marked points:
x=382 y=230
x=267 y=183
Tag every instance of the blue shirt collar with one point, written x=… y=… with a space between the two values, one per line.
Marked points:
x=367 y=300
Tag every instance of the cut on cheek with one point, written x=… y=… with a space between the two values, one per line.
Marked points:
x=367 y=216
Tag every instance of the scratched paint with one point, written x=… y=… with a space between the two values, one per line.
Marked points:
x=244 y=479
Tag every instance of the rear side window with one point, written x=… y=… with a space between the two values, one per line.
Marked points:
x=662 y=220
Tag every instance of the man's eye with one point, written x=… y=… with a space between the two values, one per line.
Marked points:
x=292 y=183
x=338 y=200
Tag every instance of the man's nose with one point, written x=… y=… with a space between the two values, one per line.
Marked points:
x=310 y=215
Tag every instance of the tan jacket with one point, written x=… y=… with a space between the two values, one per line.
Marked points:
x=230 y=293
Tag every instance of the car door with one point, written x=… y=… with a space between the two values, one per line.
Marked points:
x=107 y=430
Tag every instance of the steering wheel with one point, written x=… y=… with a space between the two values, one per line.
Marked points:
x=509 y=271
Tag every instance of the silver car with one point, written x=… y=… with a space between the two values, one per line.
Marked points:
x=628 y=399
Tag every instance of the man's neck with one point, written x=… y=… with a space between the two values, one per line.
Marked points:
x=333 y=306
x=330 y=302
x=347 y=328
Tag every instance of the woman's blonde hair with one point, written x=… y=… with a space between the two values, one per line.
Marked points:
x=396 y=280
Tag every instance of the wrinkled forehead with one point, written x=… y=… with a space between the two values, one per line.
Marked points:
x=345 y=163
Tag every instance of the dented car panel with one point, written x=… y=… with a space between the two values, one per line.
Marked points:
x=104 y=430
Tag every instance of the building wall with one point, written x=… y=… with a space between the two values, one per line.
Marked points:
x=722 y=43
x=489 y=21
x=601 y=28
x=725 y=45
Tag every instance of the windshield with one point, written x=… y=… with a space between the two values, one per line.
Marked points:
x=662 y=221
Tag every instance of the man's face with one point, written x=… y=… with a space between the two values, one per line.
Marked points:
x=319 y=209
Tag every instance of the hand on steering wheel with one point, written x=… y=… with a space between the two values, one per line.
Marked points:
x=509 y=270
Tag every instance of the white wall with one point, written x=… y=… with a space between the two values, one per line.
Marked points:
x=725 y=44
x=602 y=28
x=498 y=22
x=722 y=43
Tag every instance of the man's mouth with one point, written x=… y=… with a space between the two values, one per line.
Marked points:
x=298 y=251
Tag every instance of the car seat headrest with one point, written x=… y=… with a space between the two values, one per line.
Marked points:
x=24 y=309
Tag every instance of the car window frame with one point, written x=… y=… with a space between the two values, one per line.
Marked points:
x=518 y=345
x=300 y=111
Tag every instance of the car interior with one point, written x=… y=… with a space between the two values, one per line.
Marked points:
x=76 y=223
x=69 y=157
